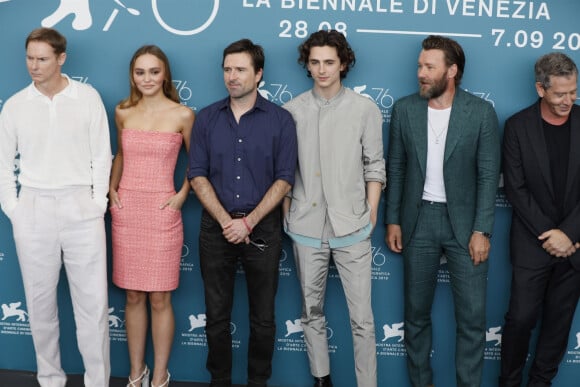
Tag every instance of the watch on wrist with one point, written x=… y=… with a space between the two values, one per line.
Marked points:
x=485 y=234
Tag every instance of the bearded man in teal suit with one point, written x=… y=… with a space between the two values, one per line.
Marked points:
x=443 y=172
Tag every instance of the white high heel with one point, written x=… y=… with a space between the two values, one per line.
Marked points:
x=165 y=383
x=142 y=380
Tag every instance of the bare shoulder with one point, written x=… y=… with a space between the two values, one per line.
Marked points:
x=185 y=112
x=123 y=113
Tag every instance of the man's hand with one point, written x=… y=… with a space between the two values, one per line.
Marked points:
x=557 y=243
x=479 y=247
x=235 y=231
x=394 y=238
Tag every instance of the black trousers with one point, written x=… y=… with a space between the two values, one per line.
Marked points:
x=553 y=292
x=219 y=263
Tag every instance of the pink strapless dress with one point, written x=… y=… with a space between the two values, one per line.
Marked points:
x=147 y=241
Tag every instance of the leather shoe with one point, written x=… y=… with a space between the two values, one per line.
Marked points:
x=323 y=381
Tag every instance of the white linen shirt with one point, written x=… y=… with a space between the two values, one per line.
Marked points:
x=62 y=143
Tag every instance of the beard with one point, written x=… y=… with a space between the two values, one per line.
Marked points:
x=436 y=89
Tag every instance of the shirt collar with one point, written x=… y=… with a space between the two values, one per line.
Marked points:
x=323 y=101
x=261 y=103
x=70 y=90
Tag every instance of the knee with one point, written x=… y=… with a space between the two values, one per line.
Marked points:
x=519 y=322
x=160 y=301
x=135 y=298
x=312 y=313
x=362 y=327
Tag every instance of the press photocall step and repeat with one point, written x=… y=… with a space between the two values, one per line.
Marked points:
x=501 y=38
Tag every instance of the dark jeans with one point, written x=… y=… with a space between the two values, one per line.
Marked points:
x=219 y=259
x=551 y=293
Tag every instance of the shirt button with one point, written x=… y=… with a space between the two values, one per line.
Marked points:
x=314 y=204
x=237 y=177
x=318 y=174
x=237 y=196
x=240 y=140
x=239 y=159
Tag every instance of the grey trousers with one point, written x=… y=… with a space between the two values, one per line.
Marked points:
x=354 y=267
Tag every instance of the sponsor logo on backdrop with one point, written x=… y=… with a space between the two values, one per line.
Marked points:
x=184 y=92
x=194 y=336
x=380 y=96
x=13 y=310
x=294 y=327
x=80 y=78
x=379 y=271
x=186 y=264
x=14 y=319
x=392 y=340
x=1 y=256
x=275 y=92
x=394 y=330
x=83 y=20
x=285 y=267
x=196 y=321
x=117 y=325
x=500 y=198
x=485 y=95
x=492 y=349
x=573 y=354
x=80 y=10
x=443 y=273
x=293 y=338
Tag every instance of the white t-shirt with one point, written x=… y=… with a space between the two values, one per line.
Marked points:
x=437 y=123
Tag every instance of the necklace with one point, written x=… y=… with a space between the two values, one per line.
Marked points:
x=437 y=135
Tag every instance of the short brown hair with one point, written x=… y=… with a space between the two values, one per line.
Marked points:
x=48 y=35
x=451 y=50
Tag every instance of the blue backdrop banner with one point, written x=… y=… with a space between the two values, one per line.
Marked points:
x=501 y=38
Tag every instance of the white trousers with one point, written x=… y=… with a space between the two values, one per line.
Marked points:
x=354 y=267
x=52 y=227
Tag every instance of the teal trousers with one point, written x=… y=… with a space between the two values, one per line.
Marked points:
x=432 y=238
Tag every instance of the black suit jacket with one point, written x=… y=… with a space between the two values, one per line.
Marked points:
x=528 y=187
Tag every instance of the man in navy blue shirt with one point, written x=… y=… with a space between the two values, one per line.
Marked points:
x=242 y=161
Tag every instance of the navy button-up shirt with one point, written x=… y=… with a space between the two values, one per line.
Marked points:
x=242 y=160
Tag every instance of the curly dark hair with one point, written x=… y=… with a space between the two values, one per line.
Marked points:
x=330 y=38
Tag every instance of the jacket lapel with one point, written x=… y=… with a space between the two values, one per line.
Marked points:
x=574 y=154
x=418 y=125
x=535 y=130
x=459 y=114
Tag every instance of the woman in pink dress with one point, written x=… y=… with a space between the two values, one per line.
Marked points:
x=147 y=229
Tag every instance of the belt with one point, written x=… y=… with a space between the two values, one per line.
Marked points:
x=238 y=214
x=431 y=202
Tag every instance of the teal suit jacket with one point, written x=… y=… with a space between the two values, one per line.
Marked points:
x=470 y=170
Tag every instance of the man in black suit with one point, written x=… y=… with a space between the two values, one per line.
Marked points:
x=542 y=182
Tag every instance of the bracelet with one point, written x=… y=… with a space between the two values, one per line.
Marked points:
x=247 y=225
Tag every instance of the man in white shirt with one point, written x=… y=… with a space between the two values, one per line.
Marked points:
x=59 y=129
x=443 y=172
